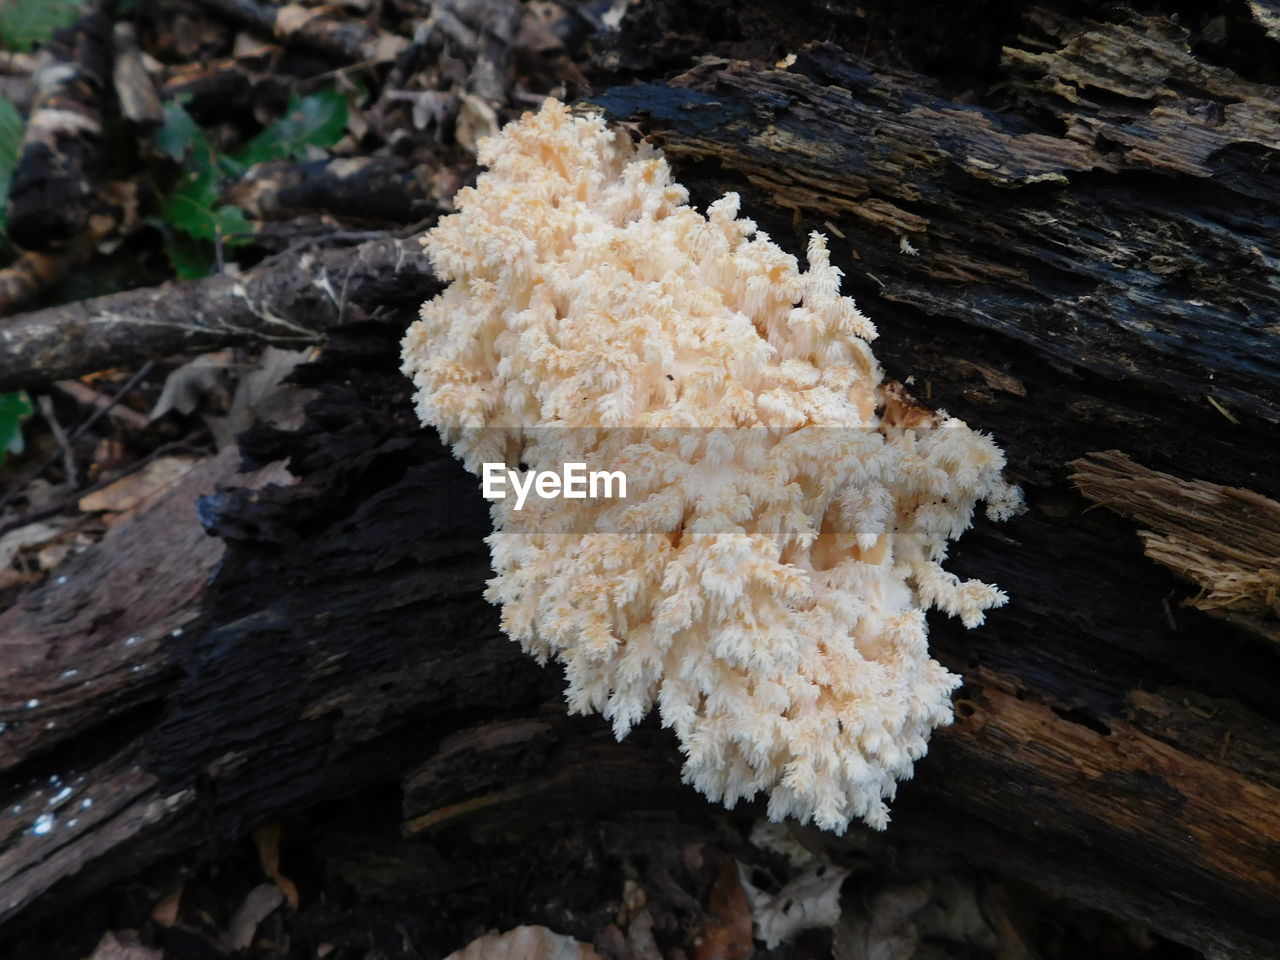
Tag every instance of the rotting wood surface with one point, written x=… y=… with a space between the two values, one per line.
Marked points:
x=1093 y=268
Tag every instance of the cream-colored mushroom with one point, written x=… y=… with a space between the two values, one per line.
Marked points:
x=764 y=582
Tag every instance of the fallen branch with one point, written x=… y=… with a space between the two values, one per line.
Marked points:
x=312 y=29
x=368 y=188
x=287 y=300
x=54 y=184
x=111 y=210
x=218 y=89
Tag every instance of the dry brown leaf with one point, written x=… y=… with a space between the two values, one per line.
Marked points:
x=268 y=840
x=476 y=119
x=27 y=538
x=810 y=900
x=186 y=386
x=727 y=932
x=293 y=17
x=123 y=945
x=165 y=912
x=640 y=942
x=262 y=396
x=259 y=903
x=525 y=943
x=134 y=489
x=389 y=46
x=536 y=34
x=39 y=494
x=52 y=554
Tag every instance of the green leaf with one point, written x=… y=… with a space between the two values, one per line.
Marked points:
x=194 y=206
x=190 y=258
x=26 y=23
x=14 y=408
x=317 y=120
x=10 y=140
x=193 y=209
x=181 y=135
x=11 y=127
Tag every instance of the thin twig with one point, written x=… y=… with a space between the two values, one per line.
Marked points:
x=346 y=282
x=78 y=432
x=115 y=398
x=311 y=84
x=218 y=256
x=191 y=444
x=348 y=236
x=68 y=454
x=88 y=397
x=266 y=303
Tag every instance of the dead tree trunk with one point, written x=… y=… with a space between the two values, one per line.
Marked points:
x=1090 y=269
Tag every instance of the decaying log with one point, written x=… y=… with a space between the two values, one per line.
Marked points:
x=287 y=301
x=113 y=206
x=1107 y=285
x=1099 y=284
x=312 y=28
x=380 y=189
x=1223 y=539
x=50 y=196
x=135 y=90
x=344 y=640
x=87 y=649
x=1071 y=256
x=219 y=89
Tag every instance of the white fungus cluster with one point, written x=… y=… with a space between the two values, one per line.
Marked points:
x=765 y=580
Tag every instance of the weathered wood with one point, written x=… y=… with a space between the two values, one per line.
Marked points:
x=1223 y=539
x=53 y=186
x=384 y=190
x=345 y=636
x=289 y=300
x=74 y=648
x=1106 y=285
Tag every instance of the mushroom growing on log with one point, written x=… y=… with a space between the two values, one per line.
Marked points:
x=1088 y=276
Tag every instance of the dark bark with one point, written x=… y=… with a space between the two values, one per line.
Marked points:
x=345 y=40
x=384 y=190
x=219 y=90
x=52 y=191
x=22 y=282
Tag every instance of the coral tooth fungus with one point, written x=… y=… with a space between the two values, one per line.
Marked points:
x=765 y=580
